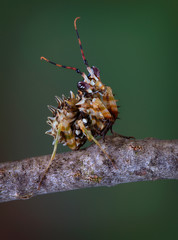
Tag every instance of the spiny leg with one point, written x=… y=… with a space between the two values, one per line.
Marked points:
x=91 y=138
x=52 y=156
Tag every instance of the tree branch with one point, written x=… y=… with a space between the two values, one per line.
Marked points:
x=136 y=160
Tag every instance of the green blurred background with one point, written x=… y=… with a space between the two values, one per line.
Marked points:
x=134 y=44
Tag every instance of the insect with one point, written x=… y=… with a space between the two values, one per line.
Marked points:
x=84 y=116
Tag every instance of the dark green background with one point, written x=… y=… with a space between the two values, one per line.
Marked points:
x=134 y=43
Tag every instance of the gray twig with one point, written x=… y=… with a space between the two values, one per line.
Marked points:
x=136 y=160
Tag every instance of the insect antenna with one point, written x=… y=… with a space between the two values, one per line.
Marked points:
x=63 y=66
x=80 y=44
x=58 y=65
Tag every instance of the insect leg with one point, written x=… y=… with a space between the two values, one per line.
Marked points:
x=91 y=138
x=52 y=156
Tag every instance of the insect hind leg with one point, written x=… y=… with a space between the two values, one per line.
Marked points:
x=91 y=138
x=52 y=156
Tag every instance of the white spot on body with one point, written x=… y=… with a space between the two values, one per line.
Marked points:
x=54 y=124
x=82 y=109
x=89 y=90
x=84 y=120
x=92 y=83
x=77 y=132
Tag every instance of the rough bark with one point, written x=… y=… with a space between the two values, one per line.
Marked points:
x=136 y=160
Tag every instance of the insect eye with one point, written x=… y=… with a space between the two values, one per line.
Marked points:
x=96 y=71
x=83 y=86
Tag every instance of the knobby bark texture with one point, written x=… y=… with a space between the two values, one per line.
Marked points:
x=136 y=160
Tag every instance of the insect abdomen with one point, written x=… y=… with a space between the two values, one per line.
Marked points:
x=110 y=102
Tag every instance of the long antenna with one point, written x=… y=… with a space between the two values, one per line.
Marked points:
x=58 y=65
x=80 y=44
x=72 y=68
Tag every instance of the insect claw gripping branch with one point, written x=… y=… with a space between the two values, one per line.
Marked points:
x=84 y=116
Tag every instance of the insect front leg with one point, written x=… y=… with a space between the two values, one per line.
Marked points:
x=91 y=138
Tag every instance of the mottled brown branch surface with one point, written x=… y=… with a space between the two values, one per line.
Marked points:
x=136 y=160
